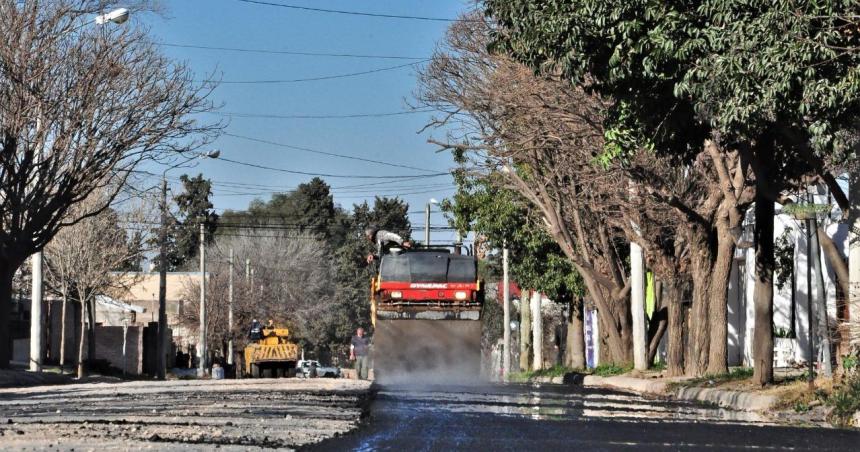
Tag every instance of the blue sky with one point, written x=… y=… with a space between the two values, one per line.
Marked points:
x=235 y=24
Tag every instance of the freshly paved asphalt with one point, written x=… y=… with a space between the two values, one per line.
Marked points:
x=526 y=417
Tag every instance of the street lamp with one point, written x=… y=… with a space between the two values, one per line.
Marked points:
x=161 y=371
x=117 y=16
x=427 y=221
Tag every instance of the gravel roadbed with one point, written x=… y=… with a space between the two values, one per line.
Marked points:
x=180 y=414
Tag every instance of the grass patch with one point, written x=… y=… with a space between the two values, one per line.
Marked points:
x=609 y=370
x=739 y=373
x=555 y=371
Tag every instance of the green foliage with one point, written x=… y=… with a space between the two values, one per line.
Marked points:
x=552 y=372
x=183 y=234
x=745 y=69
x=308 y=209
x=784 y=255
x=845 y=401
x=609 y=370
x=352 y=273
x=850 y=363
x=502 y=217
x=737 y=373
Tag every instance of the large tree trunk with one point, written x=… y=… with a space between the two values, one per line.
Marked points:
x=609 y=329
x=81 y=335
x=7 y=272
x=574 y=349
x=525 y=331
x=65 y=302
x=837 y=261
x=91 y=331
x=763 y=294
x=718 y=306
x=698 y=347
x=675 y=344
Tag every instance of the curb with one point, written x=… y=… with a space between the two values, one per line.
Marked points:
x=736 y=400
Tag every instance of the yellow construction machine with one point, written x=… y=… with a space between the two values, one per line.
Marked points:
x=273 y=355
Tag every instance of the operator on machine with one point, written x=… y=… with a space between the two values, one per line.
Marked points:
x=384 y=240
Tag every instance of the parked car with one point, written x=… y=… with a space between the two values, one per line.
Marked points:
x=305 y=367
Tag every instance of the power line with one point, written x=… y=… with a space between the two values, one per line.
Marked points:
x=291 y=52
x=312 y=79
x=351 y=13
x=330 y=154
x=347 y=116
x=305 y=173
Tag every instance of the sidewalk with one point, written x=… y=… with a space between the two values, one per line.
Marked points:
x=10 y=378
x=673 y=387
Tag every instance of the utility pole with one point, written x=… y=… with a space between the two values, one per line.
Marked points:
x=854 y=258
x=637 y=306
x=820 y=295
x=506 y=293
x=36 y=314
x=537 y=330
x=36 y=292
x=230 y=311
x=201 y=370
x=427 y=221
x=162 y=286
x=809 y=306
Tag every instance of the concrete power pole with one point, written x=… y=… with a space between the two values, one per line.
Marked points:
x=161 y=372
x=36 y=314
x=820 y=297
x=637 y=307
x=537 y=330
x=230 y=311
x=506 y=294
x=201 y=370
x=854 y=259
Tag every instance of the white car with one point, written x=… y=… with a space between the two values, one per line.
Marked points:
x=304 y=369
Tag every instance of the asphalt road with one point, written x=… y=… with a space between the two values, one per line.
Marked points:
x=524 y=417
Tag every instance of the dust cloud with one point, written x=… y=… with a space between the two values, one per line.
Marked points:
x=427 y=352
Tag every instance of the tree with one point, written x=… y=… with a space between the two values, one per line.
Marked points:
x=352 y=273
x=769 y=80
x=89 y=259
x=194 y=206
x=504 y=218
x=291 y=285
x=80 y=109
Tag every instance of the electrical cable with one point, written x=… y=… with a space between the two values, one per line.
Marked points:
x=306 y=173
x=289 y=52
x=312 y=79
x=330 y=154
x=346 y=116
x=350 y=13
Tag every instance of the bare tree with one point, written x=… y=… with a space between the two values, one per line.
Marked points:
x=87 y=259
x=80 y=109
x=292 y=284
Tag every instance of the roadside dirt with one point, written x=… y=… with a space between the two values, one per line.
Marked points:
x=180 y=414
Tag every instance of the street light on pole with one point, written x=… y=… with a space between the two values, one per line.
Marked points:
x=117 y=16
x=427 y=221
x=161 y=372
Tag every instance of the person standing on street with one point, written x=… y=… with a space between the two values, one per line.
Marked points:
x=359 y=349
